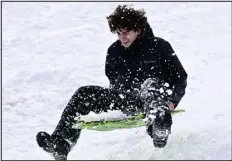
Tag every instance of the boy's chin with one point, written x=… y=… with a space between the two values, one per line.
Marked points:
x=126 y=45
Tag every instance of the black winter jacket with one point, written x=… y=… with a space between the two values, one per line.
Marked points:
x=147 y=57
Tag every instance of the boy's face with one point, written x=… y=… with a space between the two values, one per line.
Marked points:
x=127 y=37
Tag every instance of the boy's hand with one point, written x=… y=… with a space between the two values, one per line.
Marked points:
x=171 y=106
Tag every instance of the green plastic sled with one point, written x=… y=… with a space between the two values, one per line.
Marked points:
x=136 y=121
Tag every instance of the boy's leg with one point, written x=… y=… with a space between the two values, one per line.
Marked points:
x=84 y=100
x=96 y=99
x=158 y=114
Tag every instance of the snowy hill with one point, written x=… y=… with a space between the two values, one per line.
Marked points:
x=51 y=49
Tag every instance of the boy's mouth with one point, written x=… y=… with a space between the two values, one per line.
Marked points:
x=125 y=42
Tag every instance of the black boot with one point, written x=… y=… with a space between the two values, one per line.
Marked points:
x=55 y=145
x=158 y=114
x=161 y=128
x=159 y=122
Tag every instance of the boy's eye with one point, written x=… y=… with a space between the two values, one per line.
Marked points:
x=125 y=33
x=122 y=33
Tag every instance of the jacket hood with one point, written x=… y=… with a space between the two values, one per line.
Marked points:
x=147 y=33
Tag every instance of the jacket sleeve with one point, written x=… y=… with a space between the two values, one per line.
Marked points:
x=176 y=72
x=110 y=69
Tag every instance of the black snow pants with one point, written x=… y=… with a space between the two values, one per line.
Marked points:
x=96 y=99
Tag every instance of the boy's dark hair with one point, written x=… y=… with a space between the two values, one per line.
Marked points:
x=125 y=17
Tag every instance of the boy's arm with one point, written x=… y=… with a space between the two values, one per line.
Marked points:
x=177 y=74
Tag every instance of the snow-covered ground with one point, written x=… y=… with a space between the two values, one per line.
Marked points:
x=51 y=49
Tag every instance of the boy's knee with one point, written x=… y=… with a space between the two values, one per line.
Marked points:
x=82 y=89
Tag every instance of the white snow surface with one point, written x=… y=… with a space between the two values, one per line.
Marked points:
x=51 y=49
